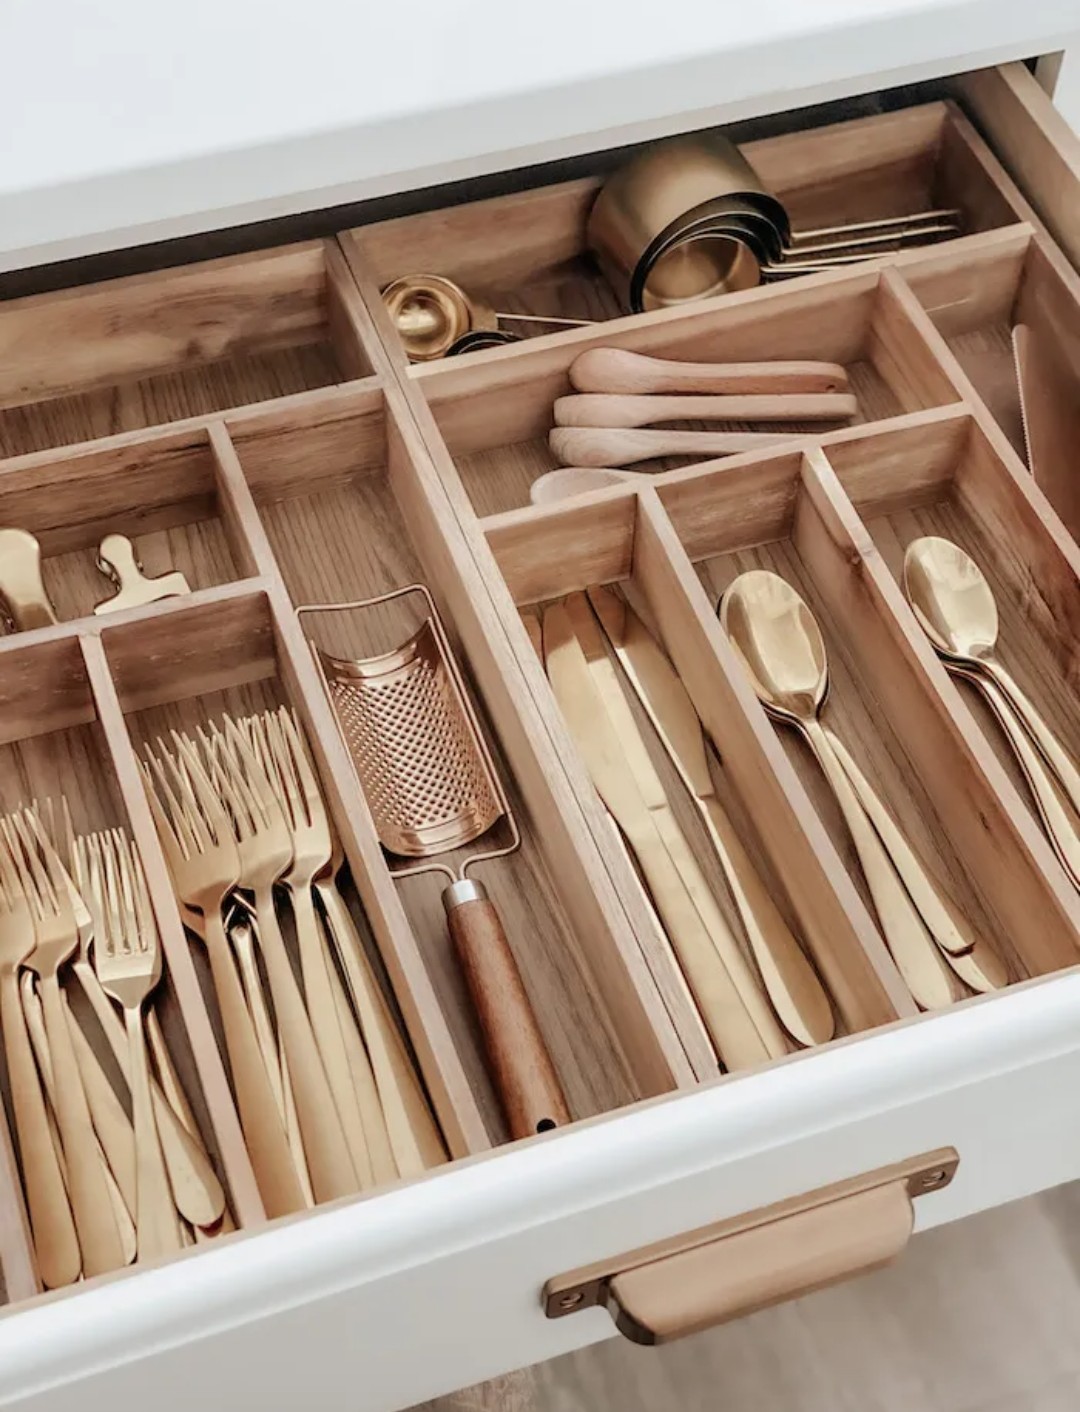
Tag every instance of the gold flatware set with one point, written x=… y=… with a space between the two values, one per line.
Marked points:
x=103 y=1188
x=327 y=1096
x=754 y=999
x=955 y=607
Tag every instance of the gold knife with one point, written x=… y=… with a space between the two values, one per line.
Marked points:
x=618 y=762
x=797 y=995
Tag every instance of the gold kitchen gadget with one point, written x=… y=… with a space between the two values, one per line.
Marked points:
x=434 y=317
x=780 y=644
x=24 y=602
x=955 y=607
x=432 y=787
x=689 y=218
x=117 y=559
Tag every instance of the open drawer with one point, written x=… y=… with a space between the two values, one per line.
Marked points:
x=252 y=423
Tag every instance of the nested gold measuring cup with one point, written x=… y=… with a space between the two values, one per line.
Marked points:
x=431 y=785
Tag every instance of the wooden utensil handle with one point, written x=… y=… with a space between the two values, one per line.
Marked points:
x=329 y=1164
x=598 y=409
x=264 y=1130
x=599 y=446
x=56 y=1244
x=522 y=1068
x=619 y=370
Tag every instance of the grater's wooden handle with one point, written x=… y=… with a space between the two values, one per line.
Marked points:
x=521 y=1066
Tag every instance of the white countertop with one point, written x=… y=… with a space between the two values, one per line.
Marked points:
x=126 y=121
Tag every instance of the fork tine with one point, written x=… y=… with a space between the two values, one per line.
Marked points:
x=67 y=830
x=290 y=789
x=237 y=792
x=9 y=874
x=38 y=870
x=252 y=771
x=146 y=928
x=14 y=850
x=166 y=806
x=125 y=890
x=114 y=924
x=195 y=782
x=302 y=763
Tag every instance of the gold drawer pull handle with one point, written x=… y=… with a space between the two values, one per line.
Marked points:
x=720 y=1272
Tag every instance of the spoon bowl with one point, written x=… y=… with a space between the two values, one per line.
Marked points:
x=951 y=598
x=779 y=641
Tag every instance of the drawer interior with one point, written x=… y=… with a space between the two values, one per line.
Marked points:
x=526 y=252
x=250 y=422
x=155 y=348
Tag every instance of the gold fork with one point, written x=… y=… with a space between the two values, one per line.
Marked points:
x=197 y=840
x=265 y=854
x=127 y=959
x=56 y=936
x=56 y=1244
x=414 y=1138
x=193 y=1183
x=309 y=833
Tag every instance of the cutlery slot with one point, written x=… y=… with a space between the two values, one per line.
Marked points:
x=888 y=701
x=495 y=418
x=525 y=252
x=227 y=657
x=946 y=478
x=53 y=747
x=344 y=519
x=622 y=538
x=151 y=348
x=1019 y=279
x=162 y=493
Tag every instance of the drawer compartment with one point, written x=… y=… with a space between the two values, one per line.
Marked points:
x=149 y=349
x=525 y=253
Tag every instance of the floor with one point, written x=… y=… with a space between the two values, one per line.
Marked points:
x=981 y=1316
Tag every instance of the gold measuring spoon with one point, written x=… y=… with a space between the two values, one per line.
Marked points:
x=955 y=607
x=780 y=643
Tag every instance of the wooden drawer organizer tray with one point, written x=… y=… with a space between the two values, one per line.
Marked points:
x=251 y=422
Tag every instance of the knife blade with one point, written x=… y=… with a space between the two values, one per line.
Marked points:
x=732 y=1004
x=797 y=995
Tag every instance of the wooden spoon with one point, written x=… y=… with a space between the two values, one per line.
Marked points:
x=609 y=447
x=578 y=480
x=619 y=370
x=598 y=409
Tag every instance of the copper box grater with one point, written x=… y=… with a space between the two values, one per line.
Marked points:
x=431 y=785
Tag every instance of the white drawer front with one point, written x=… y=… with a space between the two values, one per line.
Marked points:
x=432 y=1288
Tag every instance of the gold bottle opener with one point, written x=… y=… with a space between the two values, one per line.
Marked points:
x=117 y=558
x=25 y=602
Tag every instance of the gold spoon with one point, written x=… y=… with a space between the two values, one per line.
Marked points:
x=955 y=606
x=780 y=643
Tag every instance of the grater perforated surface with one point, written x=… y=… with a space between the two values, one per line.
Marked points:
x=425 y=780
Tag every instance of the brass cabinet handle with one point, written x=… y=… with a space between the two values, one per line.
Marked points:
x=737 y=1266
